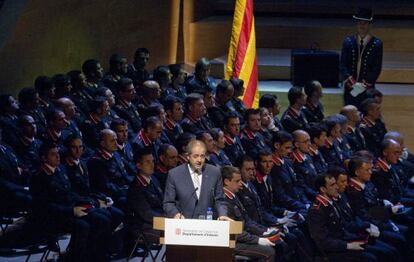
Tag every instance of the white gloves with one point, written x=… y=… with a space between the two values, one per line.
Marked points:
x=265 y=242
x=373 y=230
x=286 y=221
x=354 y=246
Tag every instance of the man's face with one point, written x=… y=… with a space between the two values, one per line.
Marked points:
x=342 y=182
x=355 y=115
x=220 y=140
x=29 y=128
x=177 y=112
x=128 y=94
x=234 y=184
x=276 y=108
x=141 y=60
x=248 y=171
x=182 y=75
x=209 y=141
x=336 y=131
x=123 y=66
x=14 y=106
x=302 y=100
x=109 y=142
x=146 y=165
x=321 y=140
x=52 y=157
x=99 y=71
x=60 y=122
x=121 y=133
x=303 y=143
x=154 y=92
x=364 y=172
x=265 y=164
x=317 y=93
x=76 y=148
x=363 y=28
x=265 y=117
x=284 y=149
x=331 y=188
x=110 y=97
x=392 y=153
x=233 y=126
x=226 y=96
x=208 y=100
x=198 y=108
x=69 y=109
x=253 y=122
x=155 y=132
x=204 y=73
x=104 y=109
x=197 y=157
x=375 y=111
x=170 y=158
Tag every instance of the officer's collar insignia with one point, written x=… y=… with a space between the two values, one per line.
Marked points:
x=277 y=160
x=355 y=184
x=323 y=200
x=382 y=164
x=169 y=123
x=144 y=138
x=367 y=122
x=328 y=143
x=310 y=105
x=142 y=180
x=249 y=133
x=313 y=151
x=182 y=159
x=228 y=193
x=105 y=154
x=228 y=140
x=259 y=177
x=161 y=169
x=298 y=156
x=350 y=129
x=293 y=112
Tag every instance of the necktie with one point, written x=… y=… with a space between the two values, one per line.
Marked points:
x=361 y=46
x=197 y=182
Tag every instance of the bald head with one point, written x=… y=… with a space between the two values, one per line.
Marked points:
x=396 y=136
x=108 y=140
x=151 y=89
x=352 y=114
x=391 y=151
x=67 y=106
x=301 y=141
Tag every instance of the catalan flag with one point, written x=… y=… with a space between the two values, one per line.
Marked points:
x=241 y=62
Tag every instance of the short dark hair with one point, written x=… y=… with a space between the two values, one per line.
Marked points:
x=150 y=122
x=320 y=181
x=43 y=84
x=237 y=83
x=118 y=122
x=89 y=66
x=4 y=102
x=46 y=147
x=140 y=153
x=245 y=158
x=330 y=122
x=96 y=103
x=161 y=72
x=201 y=64
x=70 y=138
x=51 y=114
x=281 y=137
x=310 y=87
x=263 y=153
x=294 y=94
x=169 y=102
x=163 y=149
x=315 y=130
x=251 y=111
x=153 y=110
x=27 y=95
x=267 y=101
x=227 y=172
x=122 y=84
x=175 y=69
x=223 y=86
x=355 y=163
x=214 y=132
x=141 y=50
x=183 y=140
x=229 y=116
x=335 y=171
x=366 y=105
x=191 y=99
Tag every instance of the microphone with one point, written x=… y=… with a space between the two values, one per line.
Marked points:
x=185 y=203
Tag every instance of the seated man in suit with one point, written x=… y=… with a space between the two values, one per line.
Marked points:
x=252 y=140
x=252 y=242
x=149 y=136
x=354 y=136
x=194 y=187
x=144 y=197
x=294 y=118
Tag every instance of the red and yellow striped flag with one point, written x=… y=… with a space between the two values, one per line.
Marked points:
x=241 y=62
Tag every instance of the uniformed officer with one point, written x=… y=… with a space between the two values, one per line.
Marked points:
x=195 y=110
x=253 y=241
x=233 y=145
x=183 y=140
x=218 y=157
x=8 y=118
x=151 y=92
x=236 y=104
x=29 y=105
x=361 y=59
x=201 y=80
x=371 y=129
x=289 y=189
x=326 y=229
x=218 y=112
x=271 y=102
x=57 y=209
x=332 y=152
x=125 y=108
x=294 y=118
x=79 y=94
x=137 y=71
x=317 y=134
x=93 y=72
x=353 y=133
x=118 y=67
x=149 y=136
x=56 y=122
x=174 y=109
x=145 y=198
x=46 y=90
x=251 y=138
x=124 y=152
x=178 y=77
x=168 y=159
x=313 y=108
x=107 y=173
x=303 y=163
x=95 y=123
x=68 y=107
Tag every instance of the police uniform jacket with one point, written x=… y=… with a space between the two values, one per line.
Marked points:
x=373 y=133
x=233 y=148
x=292 y=120
x=306 y=172
x=313 y=113
x=355 y=139
x=253 y=142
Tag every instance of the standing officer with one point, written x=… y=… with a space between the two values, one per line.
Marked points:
x=361 y=59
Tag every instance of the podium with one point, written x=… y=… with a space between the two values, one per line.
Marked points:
x=196 y=250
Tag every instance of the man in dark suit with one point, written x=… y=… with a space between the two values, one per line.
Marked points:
x=353 y=134
x=194 y=187
x=294 y=118
x=313 y=108
x=361 y=58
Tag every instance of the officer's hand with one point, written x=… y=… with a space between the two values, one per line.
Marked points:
x=387 y=202
x=396 y=208
x=224 y=218
x=354 y=246
x=286 y=221
x=179 y=216
x=79 y=211
x=373 y=231
x=265 y=242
